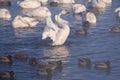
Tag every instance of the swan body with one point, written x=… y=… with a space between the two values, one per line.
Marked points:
x=29 y=4
x=57 y=34
x=91 y=18
x=107 y=1
x=78 y=8
x=5 y=14
x=40 y=12
x=64 y=1
x=98 y=4
x=43 y=1
x=20 y=22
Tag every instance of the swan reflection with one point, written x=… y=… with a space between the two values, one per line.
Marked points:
x=24 y=32
x=56 y=53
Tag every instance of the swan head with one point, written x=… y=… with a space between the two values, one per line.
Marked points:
x=64 y=12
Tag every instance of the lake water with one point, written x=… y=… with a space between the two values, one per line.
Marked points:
x=98 y=45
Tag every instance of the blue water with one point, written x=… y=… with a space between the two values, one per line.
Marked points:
x=98 y=45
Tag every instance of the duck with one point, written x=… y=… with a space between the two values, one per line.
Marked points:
x=23 y=22
x=91 y=18
x=103 y=65
x=56 y=64
x=21 y=56
x=64 y=1
x=40 y=12
x=58 y=35
x=29 y=4
x=86 y=24
x=7 y=75
x=5 y=3
x=85 y=62
x=81 y=32
x=45 y=71
x=115 y=29
x=7 y=59
x=79 y=8
x=33 y=61
x=5 y=14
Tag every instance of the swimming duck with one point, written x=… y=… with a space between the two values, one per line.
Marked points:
x=7 y=75
x=103 y=65
x=6 y=59
x=23 y=22
x=86 y=24
x=84 y=62
x=57 y=34
x=115 y=29
x=45 y=71
x=21 y=56
x=81 y=32
x=56 y=64
x=33 y=61
x=5 y=2
x=5 y=14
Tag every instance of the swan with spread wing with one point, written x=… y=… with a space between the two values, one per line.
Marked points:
x=57 y=34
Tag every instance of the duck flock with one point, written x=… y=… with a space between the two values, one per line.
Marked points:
x=57 y=30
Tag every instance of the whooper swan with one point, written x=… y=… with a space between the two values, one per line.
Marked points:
x=57 y=34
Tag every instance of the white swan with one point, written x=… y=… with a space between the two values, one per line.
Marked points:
x=29 y=4
x=98 y=4
x=64 y=1
x=57 y=34
x=21 y=22
x=5 y=14
x=79 y=8
x=40 y=12
x=91 y=18
x=107 y=1
x=43 y=1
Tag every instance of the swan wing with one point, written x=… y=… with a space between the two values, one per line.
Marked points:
x=49 y=32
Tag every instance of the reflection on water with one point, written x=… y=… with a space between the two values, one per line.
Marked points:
x=24 y=32
x=56 y=53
